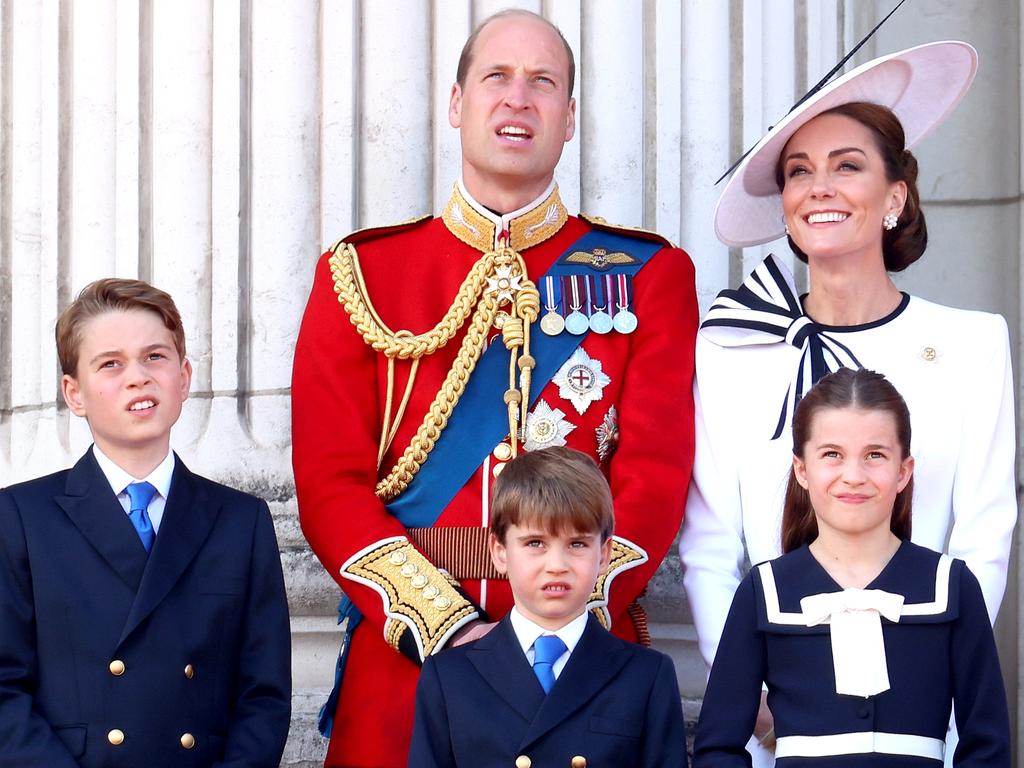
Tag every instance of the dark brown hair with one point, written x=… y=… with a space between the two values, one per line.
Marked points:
x=905 y=244
x=558 y=489
x=112 y=295
x=846 y=388
x=466 y=57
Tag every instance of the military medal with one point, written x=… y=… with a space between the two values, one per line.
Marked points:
x=576 y=322
x=600 y=321
x=608 y=435
x=581 y=381
x=625 y=321
x=552 y=323
x=545 y=427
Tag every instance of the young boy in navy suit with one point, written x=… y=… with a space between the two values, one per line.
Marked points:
x=548 y=686
x=144 y=619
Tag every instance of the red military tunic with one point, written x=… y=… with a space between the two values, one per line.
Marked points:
x=411 y=273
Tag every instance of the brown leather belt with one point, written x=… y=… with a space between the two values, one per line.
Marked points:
x=460 y=551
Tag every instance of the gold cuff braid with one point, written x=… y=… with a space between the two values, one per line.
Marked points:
x=625 y=555
x=417 y=597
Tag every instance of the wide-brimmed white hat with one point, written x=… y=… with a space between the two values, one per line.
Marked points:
x=921 y=85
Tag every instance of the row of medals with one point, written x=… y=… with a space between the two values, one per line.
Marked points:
x=578 y=323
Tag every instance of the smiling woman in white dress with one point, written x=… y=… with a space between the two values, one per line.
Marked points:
x=837 y=175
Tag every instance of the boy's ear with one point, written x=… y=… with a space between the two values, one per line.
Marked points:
x=72 y=394
x=606 y=554
x=498 y=553
x=186 y=378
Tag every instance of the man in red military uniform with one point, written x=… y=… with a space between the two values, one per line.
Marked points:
x=433 y=351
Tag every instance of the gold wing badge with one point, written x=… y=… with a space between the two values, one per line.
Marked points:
x=600 y=259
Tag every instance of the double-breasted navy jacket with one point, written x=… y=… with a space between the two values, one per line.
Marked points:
x=111 y=658
x=615 y=704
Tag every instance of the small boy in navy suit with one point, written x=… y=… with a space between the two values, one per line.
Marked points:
x=548 y=686
x=144 y=619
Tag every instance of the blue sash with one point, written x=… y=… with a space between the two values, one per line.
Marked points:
x=479 y=421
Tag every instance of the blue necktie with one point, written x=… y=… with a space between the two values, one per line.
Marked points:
x=546 y=651
x=140 y=495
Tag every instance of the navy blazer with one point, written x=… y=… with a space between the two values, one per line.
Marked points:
x=615 y=704
x=111 y=658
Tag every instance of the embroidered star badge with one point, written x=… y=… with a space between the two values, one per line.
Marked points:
x=581 y=381
x=608 y=435
x=545 y=427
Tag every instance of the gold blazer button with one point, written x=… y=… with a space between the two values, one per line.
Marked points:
x=116 y=667
x=523 y=762
x=189 y=671
x=115 y=736
x=188 y=740
x=578 y=762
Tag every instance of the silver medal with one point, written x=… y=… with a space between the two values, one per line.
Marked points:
x=601 y=322
x=581 y=380
x=625 y=321
x=576 y=323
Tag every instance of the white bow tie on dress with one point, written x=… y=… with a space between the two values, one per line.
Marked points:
x=855 y=626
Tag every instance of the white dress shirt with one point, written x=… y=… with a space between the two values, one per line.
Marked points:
x=527 y=633
x=119 y=480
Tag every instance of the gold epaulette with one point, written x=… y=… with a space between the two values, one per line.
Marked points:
x=370 y=233
x=598 y=222
x=422 y=604
x=625 y=555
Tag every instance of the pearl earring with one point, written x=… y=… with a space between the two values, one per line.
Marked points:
x=889 y=221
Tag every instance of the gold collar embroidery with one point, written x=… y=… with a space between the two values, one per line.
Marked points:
x=526 y=229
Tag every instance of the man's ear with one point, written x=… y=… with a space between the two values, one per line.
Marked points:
x=455 y=107
x=72 y=394
x=498 y=553
x=570 y=120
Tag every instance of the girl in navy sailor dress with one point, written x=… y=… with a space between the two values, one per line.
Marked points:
x=862 y=638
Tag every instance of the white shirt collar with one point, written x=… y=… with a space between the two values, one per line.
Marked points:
x=527 y=631
x=119 y=478
x=501 y=223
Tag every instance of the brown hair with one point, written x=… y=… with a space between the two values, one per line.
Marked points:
x=905 y=244
x=846 y=388
x=466 y=57
x=559 y=489
x=112 y=295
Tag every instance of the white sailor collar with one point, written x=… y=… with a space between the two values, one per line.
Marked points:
x=481 y=228
x=927 y=580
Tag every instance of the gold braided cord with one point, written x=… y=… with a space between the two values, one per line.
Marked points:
x=476 y=303
x=351 y=289
x=444 y=403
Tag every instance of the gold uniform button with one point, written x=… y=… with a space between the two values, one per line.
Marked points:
x=442 y=603
x=188 y=740
x=419 y=581
x=409 y=570
x=116 y=736
x=579 y=762
x=431 y=592
x=398 y=557
x=503 y=452
x=523 y=762
x=189 y=671
x=116 y=667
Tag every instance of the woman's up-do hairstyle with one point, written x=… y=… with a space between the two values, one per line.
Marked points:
x=861 y=390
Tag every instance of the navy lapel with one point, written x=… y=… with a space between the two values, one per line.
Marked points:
x=187 y=520
x=500 y=660
x=596 y=660
x=92 y=506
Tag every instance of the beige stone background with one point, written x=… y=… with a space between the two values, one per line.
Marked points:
x=215 y=147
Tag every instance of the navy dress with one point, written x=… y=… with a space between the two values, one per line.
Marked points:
x=940 y=651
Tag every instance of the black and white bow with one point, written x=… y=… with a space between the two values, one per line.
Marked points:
x=765 y=309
